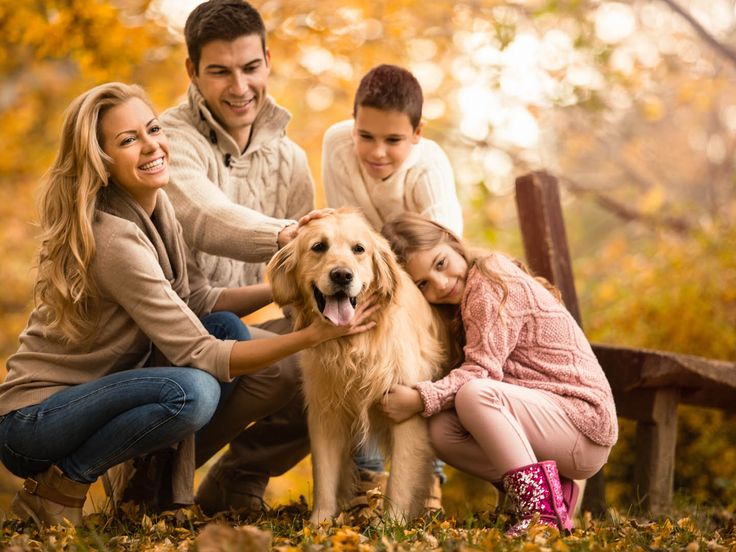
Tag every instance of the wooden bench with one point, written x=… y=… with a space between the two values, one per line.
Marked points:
x=647 y=385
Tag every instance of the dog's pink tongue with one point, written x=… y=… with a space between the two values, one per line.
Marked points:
x=339 y=310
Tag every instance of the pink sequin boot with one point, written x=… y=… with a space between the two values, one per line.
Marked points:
x=536 y=489
x=570 y=494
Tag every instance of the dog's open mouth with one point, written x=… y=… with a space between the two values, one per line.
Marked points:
x=338 y=309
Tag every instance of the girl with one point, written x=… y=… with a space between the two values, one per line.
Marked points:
x=528 y=399
x=116 y=283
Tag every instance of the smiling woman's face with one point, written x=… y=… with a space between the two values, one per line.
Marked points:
x=139 y=151
x=440 y=273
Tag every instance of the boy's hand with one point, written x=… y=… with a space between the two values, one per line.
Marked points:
x=401 y=403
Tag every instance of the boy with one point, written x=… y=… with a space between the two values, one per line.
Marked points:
x=380 y=162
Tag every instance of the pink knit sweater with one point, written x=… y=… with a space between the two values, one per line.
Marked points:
x=531 y=341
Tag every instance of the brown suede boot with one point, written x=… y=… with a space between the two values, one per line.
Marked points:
x=50 y=498
x=220 y=492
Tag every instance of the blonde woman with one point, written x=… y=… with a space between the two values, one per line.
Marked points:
x=85 y=391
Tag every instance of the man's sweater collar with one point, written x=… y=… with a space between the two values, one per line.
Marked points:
x=270 y=124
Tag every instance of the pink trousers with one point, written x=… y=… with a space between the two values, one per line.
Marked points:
x=496 y=427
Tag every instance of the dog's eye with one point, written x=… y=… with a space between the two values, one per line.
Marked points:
x=358 y=249
x=319 y=247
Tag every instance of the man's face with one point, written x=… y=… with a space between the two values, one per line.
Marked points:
x=232 y=78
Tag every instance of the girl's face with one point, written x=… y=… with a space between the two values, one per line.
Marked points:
x=439 y=273
x=137 y=146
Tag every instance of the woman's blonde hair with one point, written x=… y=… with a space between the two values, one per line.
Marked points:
x=409 y=233
x=69 y=195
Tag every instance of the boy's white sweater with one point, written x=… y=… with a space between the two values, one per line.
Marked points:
x=423 y=184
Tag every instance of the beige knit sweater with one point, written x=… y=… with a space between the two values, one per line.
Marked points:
x=233 y=204
x=423 y=184
x=149 y=296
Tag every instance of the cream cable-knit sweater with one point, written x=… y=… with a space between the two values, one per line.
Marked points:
x=423 y=184
x=533 y=341
x=232 y=205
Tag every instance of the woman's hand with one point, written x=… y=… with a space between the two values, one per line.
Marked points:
x=401 y=403
x=324 y=330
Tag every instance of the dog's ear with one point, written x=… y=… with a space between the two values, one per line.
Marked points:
x=281 y=272
x=385 y=268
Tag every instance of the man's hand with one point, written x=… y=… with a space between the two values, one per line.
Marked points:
x=315 y=214
x=288 y=233
x=401 y=403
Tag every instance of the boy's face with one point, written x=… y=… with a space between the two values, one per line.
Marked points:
x=232 y=78
x=383 y=140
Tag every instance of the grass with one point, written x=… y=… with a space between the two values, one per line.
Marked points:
x=284 y=529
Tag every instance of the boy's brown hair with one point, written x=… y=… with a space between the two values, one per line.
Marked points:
x=391 y=88
x=221 y=20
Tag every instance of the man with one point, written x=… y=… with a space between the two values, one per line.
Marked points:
x=237 y=184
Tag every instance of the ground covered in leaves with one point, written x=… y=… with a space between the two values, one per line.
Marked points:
x=284 y=529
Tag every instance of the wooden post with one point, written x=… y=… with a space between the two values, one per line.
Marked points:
x=543 y=231
x=654 y=470
x=547 y=253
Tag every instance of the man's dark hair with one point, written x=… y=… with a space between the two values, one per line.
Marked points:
x=221 y=20
x=390 y=88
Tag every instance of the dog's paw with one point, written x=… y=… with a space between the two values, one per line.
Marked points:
x=320 y=517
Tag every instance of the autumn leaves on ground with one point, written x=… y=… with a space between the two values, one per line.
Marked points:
x=630 y=104
x=284 y=529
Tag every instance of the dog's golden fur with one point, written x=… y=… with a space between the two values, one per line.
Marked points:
x=345 y=378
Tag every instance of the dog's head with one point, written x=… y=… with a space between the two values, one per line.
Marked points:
x=332 y=264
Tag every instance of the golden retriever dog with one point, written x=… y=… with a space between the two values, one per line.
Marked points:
x=334 y=263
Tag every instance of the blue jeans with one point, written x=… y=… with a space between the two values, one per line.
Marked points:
x=369 y=458
x=88 y=428
x=226 y=325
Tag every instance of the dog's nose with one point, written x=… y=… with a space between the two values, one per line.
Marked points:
x=341 y=276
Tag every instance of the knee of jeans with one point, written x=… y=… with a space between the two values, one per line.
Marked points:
x=202 y=396
x=226 y=325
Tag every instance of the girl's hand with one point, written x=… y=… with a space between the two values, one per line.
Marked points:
x=325 y=330
x=401 y=403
